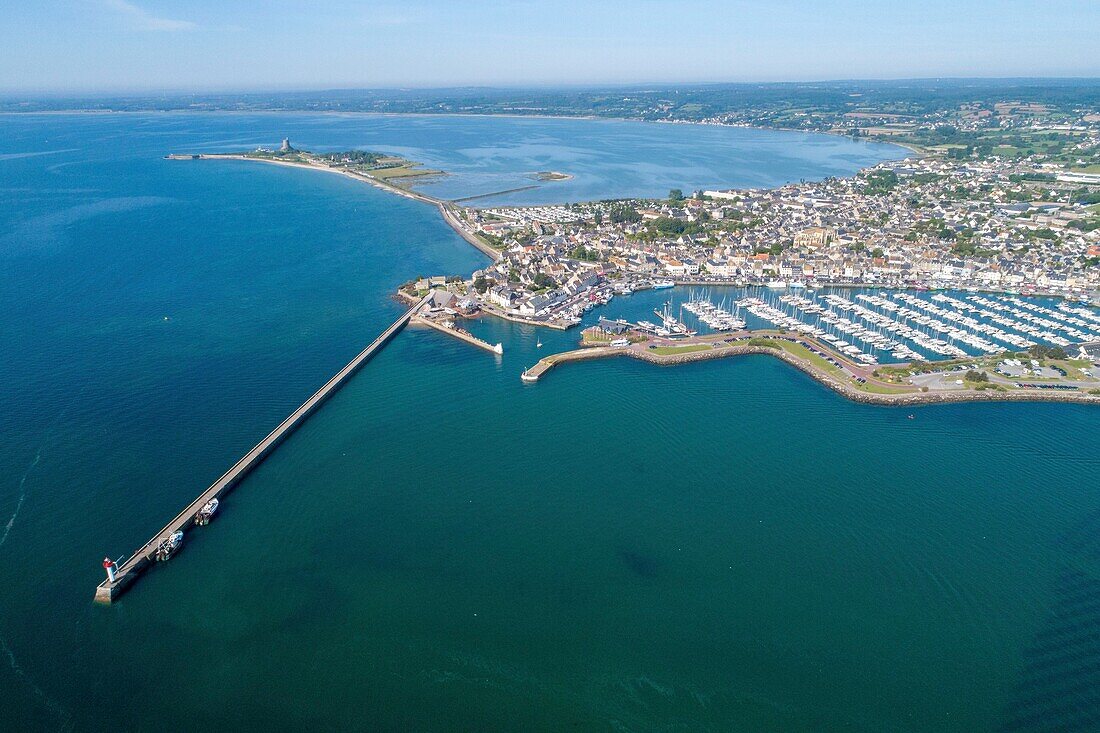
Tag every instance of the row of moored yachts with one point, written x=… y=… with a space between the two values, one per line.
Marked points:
x=715 y=316
x=890 y=322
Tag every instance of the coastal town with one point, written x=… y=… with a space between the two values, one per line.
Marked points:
x=990 y=229
x=920 y=222
x=999 y=197
x=982 y=231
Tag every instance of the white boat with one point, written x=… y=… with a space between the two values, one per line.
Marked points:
x=776 y=284
x=207 y=512
x=797 y=284
x=662 y=284
x=168 y=548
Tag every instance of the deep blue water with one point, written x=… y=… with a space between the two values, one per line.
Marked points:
x=724 y=546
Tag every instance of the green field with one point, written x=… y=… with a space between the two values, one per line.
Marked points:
x=803 y=353
x=877 y=389
x=402 y=171
x=665 y=350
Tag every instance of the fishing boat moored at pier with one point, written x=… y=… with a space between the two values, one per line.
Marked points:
x=207 y=512
x=169 y=547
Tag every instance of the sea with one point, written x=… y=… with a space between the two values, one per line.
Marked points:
x=720 y=546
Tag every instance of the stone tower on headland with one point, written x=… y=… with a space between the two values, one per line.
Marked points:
x=286 y=146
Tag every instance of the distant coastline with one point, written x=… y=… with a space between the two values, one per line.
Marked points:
x=448 y=209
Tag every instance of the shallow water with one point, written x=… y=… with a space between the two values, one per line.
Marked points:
x=726 y=546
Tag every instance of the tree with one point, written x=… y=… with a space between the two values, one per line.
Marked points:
x=542 y=280
x=975 y=376
x=624 y=213
x=881 y=182
x=580 y=252
x=598 y=217
x=1039 y=351
x=675 y=195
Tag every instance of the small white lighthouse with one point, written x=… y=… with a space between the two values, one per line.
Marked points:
x=109 y=566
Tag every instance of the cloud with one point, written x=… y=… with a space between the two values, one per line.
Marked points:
x=142 y=19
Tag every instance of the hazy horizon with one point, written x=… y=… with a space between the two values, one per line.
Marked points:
x=634 y=86
x=119 y=46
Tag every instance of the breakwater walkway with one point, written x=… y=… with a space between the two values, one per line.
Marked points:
x=459 y=334
x=843 y=377
x=475 y=197
x=131 y=569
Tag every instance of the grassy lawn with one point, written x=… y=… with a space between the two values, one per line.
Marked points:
x=803 y=353
x=765 y=341
x=876 y=389
x=664 y=350
x=404 y=171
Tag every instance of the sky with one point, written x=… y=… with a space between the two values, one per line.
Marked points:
x=221 y=45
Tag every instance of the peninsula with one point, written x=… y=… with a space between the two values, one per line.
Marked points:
x=387 y=172
x=986 y=221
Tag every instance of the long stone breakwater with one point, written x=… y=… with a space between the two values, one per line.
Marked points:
x=140 y=559
x=840 y=386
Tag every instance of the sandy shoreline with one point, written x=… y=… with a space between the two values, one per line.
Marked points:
x=444 y=206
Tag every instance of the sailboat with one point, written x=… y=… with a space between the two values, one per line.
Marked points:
x=538 y=344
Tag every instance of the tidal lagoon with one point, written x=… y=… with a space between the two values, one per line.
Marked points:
x=723 y=546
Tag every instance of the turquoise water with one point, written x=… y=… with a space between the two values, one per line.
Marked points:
x=725 y=546
x=487 y=155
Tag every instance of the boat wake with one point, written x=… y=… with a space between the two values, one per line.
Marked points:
x=23 y=480
x=22 y=497
x=64 y=717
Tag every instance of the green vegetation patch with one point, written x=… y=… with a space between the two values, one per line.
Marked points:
x=403 y=171
x=803 y=353
x=686 y=349
x=881 y=389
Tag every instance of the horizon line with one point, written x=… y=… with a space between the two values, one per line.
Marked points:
x=546 y=86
